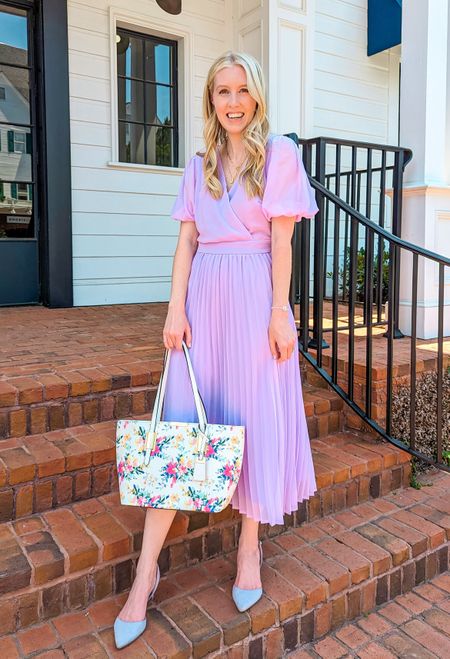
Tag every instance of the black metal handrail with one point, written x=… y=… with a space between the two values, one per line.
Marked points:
x=308 y=255
x=327 y=153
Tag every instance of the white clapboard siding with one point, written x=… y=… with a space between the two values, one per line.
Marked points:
x=345 y=103
x=353 y=92
x=97 y=112
x=110 y=180
x=361 y=128
x=83 y=40
x=360 y=89
x=89 y=155
x=88 y=87
x=88 y=16
x=123 y=236
x=85 y=132
x=134 y=290
x=121 y=224
x=96 y=201
x=121 y=266
x=85 y=64
x=126 y=246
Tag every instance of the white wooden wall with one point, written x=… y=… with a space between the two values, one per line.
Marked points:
x=123 y=237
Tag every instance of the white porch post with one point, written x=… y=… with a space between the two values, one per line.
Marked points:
x=289 y=56
x=425 y=128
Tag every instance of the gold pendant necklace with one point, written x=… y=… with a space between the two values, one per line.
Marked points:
x=231 y=179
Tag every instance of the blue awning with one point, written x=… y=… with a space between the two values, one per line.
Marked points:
x=384 y=25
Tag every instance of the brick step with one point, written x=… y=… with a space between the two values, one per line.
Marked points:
x=54 y=401
x=323 y=410
x=315 y=577
x=48 y=402
x=415 y=624
x=69 y=548
x=40 y=472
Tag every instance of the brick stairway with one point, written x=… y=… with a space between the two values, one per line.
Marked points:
x=316 y=576
x=69 y=550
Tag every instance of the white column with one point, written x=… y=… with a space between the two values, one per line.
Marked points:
x=425 y=128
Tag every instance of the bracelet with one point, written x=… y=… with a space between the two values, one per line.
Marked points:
x=283 y=308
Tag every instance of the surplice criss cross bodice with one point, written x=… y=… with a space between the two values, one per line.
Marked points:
x=235 y=223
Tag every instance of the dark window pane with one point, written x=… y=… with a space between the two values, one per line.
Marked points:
x=15 y=106
x=15 y=155
x=131 y=143
x=130 y=56
x=13 y=36
x=160 y=146
x=131 y=100
x=158 y=62
x=146 y=97
x=158 y=104
x=16 y=210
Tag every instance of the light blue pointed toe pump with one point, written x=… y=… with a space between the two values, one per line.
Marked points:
x=244 y=598
x=127 y=632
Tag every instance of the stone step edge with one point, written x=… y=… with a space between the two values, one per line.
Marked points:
x=57 y=411
x=42 y=472
x=319 y=574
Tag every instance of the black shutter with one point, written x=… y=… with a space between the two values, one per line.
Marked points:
x=11 y=141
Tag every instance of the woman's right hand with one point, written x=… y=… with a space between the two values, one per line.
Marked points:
x=176 y=327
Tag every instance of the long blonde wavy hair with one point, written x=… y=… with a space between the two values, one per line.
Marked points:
x=254 y=136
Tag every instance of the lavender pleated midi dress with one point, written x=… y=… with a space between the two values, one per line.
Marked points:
x=228 y=305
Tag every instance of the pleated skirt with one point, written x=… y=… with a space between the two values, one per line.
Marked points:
x=228 y=306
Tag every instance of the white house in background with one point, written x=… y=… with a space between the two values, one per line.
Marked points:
x=135 y=79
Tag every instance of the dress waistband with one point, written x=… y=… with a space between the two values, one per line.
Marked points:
x=236 y=247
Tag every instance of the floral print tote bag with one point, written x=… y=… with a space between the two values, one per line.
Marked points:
x=178 y=465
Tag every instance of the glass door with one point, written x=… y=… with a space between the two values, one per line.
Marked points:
x=19 y=266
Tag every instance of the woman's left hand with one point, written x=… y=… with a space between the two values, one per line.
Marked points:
x=282 y=336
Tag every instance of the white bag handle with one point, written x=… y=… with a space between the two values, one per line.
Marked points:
x=159 y=400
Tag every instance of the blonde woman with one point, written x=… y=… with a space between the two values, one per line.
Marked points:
x=237 y=205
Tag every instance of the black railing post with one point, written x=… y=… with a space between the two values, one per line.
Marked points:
x=317 y=341
x=305 y=244
x=380 y=244
x=294 y=291
x=397 y=188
